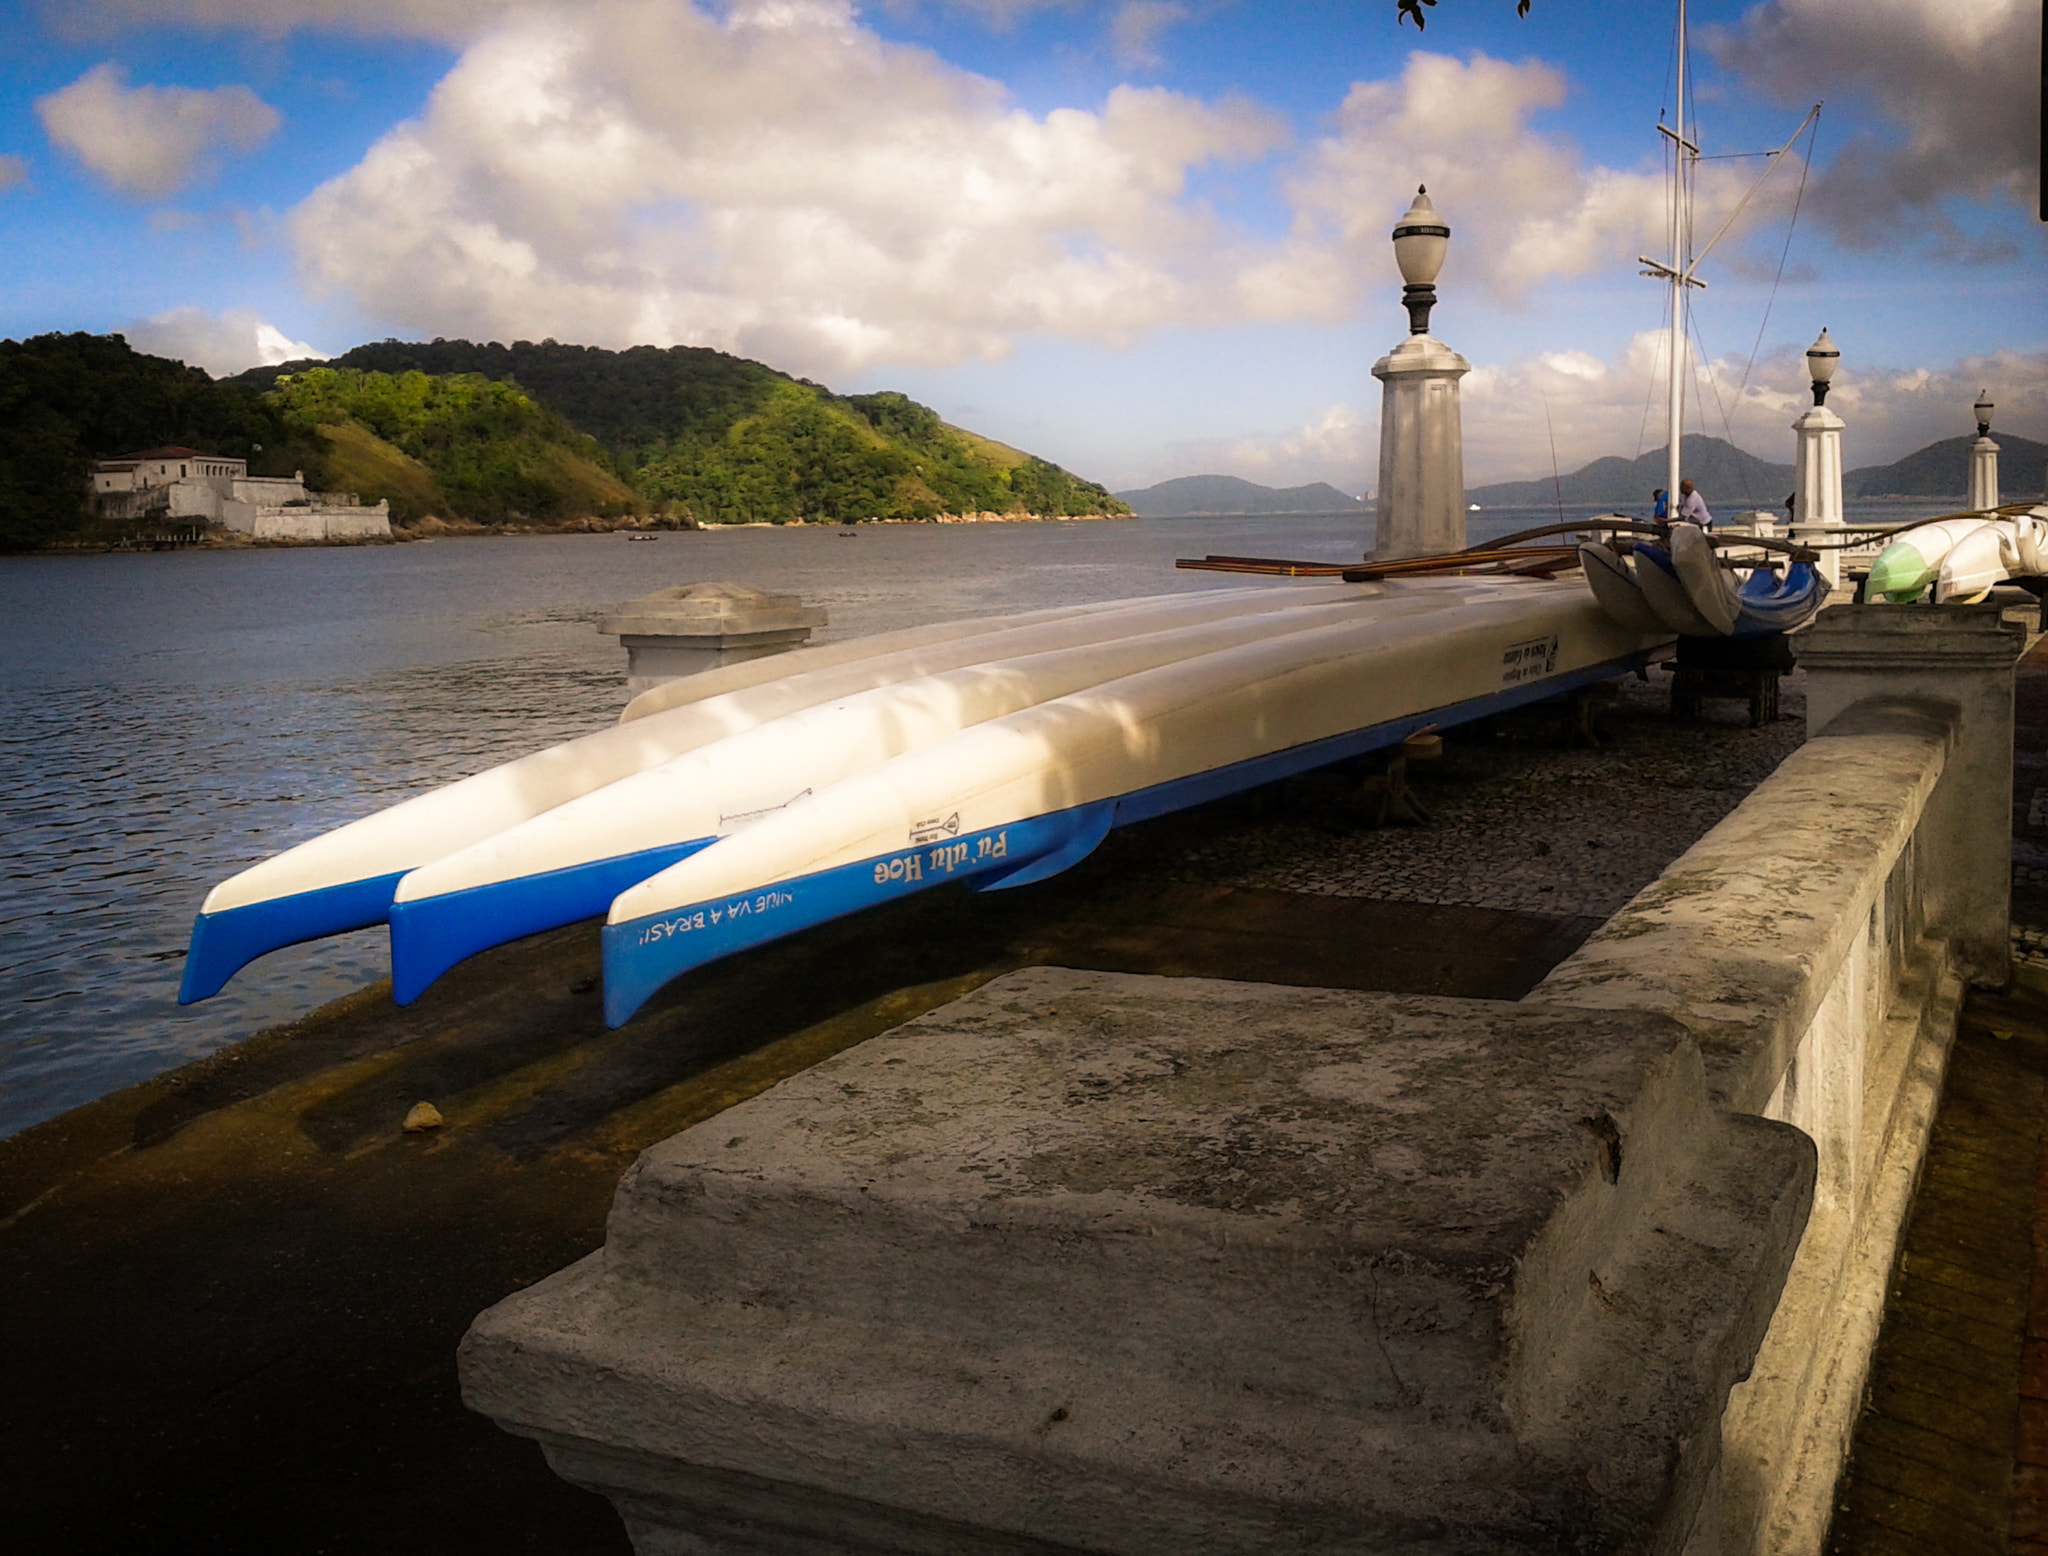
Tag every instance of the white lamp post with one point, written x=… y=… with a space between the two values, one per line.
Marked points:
x=1983 y=457
x=1422 y=448
x=1817 y=462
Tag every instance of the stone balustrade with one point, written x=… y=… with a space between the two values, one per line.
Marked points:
x=1816 y=943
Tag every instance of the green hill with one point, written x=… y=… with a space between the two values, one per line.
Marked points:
x=1943 y=470
x=726 y=440
x=1190 y=496
x=1726 y=476
x=530 y=434
x=458 y=445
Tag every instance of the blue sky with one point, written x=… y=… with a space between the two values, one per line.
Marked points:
x=1144 y=238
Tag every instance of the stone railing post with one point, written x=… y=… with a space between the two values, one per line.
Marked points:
x=696 y=627
x=1817 y=485
x=1962 y=655
x=1422 y=450
x=1983 y=474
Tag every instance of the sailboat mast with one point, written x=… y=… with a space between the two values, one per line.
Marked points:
x=1675 y=397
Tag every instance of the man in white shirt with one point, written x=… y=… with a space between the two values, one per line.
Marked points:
x=1692 y=508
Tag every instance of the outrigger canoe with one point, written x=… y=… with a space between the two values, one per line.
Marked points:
x=1963 y=557
x=1686 y=589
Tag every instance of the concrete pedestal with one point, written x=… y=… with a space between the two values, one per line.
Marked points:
x=1817 y=486
x=1422 y=451
x=696 y=627
x=1983 y=474
x=1088 y=1261
x=1963 y=656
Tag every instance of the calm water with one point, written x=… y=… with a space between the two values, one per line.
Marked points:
x=166 y=720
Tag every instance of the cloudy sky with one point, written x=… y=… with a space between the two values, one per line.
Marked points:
x=1142 y=237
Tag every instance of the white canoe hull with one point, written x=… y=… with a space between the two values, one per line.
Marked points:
x=569 y=862
x=1023 y=796
x=345 y=879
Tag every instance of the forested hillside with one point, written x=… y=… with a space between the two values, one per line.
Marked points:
x=458 y=445
x=726 y=440
x=524 y=433
x=1943 y=470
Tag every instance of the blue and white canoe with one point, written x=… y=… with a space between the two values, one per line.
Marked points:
x=346 y=879
x=569 y=862
x=1021 y=797
x=1686 y=590
x=1755 y=606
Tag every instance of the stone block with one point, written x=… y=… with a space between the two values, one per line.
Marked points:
x=1090 y=1261
x=1421 y=494
x=1963 y=656
x=700 y=626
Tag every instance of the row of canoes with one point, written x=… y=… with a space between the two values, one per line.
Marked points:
x=732 y=808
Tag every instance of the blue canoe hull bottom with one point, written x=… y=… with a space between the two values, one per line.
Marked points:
x=431 y=934
x=224 y=943
x=642 y=955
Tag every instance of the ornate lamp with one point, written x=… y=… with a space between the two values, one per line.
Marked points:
x=1420 y=240
x=1984 y=408
x=1822 y=358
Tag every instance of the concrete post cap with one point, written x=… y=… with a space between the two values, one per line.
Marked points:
x=711 y=609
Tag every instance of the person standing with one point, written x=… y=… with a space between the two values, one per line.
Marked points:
x=1692 y=508
x=1660 y=505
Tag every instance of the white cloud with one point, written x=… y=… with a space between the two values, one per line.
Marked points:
x=1959 y=80
x=1515 y=413
x=454 y=21
x=1339 y=444
x=450 y=20
x=780 y=183
x=1596 y=407
x=13 y=171
x=1135 y=29
x=223 y=343
x=1522 y=206
x=151 y=141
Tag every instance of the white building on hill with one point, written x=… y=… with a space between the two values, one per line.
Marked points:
x=170 y=484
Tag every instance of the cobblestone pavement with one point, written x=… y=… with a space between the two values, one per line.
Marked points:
x=1520 y=821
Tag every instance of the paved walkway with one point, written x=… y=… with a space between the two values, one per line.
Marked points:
x=1951 y=1453
x=1932 y=1468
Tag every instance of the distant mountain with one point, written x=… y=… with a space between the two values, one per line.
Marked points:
x=1190 y=496
x=1726 y=476
x=1943 y=470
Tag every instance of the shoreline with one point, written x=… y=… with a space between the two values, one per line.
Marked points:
x=432 y=527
